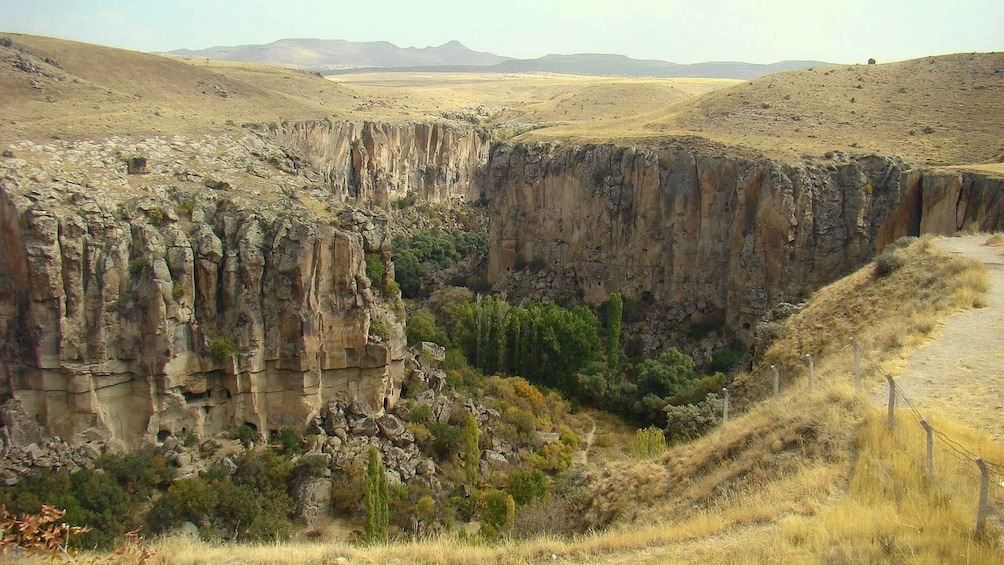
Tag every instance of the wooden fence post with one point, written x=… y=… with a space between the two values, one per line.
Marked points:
x=812 y=371
x=857 y=365
x=981 y=515
x=777 y=390
x=725 y=408
x=930 y=448
x=892 y=402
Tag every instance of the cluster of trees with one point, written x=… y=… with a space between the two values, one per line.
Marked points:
x=560 y=348
x=253 y=502
x=423 y=252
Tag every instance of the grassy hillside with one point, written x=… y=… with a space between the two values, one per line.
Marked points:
x=946 y=110
x=940 y=111
x=75 y=90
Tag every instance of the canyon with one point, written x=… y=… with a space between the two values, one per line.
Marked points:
x=165 y=270
x=225 y=283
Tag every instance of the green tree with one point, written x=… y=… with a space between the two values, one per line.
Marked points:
x=615 y=309
x=527 y=486
x=667 y=375
x=422 y=326
x=497 y=514
x=376 y=499
x=471 y=436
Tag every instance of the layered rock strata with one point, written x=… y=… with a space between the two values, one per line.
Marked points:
x=189 y=299
x=366 y=162
x=698 y=237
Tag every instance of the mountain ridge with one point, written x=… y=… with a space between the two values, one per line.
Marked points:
x=337 y=56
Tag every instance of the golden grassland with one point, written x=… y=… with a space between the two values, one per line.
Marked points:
x=807 y=477
x=945 y=111
x=888 y=316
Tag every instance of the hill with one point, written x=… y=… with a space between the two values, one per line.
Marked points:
x=940 y=111
x=943 y=111
x=73 y=90
x=325 y=54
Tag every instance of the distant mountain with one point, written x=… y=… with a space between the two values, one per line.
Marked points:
x=608 y=65
x=326 y=54
x=336 y=56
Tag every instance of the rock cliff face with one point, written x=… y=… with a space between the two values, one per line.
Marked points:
x=137 y=307
x=212 y=287
x=368 y=162
x=707 y=238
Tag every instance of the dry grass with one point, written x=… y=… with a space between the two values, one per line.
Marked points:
x=996 y=240
x=888 y=316
x=946 y=110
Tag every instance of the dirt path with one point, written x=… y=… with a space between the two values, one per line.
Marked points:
x=582 y=457
x=961 y=372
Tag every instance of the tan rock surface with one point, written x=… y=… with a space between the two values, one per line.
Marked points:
x=132 y=305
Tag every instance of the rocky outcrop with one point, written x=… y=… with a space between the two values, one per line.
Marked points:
x=702 y=238
x=371 y=162
x=131 y=312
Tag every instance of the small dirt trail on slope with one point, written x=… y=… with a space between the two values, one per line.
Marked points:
x=961 y=372
x=582 y=457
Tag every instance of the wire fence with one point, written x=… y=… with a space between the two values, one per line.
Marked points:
x=947 y=459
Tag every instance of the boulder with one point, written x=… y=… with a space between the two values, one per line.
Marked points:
x=390 y=426
x=22 y=430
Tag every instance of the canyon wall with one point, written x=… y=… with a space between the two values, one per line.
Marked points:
x=132 y=309
x=368 y=162
x=698 y=237
x=225 y=282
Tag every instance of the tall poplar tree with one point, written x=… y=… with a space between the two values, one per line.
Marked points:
x=376 y=500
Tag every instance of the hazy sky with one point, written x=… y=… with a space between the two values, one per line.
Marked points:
x=761 y=31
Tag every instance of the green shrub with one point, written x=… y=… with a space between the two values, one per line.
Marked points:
x=405 y=202
x=245 y=435
x=178 y=291
x=470 y=436
x=222 y=347
x=289 y=440
x=421 y=326
x=420 y=414
x=726 y=359
x=497 y=514
x=378 y=328
x=648 y=443
x=141 y=472
x=187 y=438
x=194 y=498
x=697 y=390
x=527 y=486
x=156 y=216
x=693 y=420
x=375 y=270
x=445 y=442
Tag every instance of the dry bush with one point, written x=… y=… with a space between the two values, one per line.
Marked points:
x=995 y=240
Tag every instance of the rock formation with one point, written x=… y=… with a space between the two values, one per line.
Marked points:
x=183 y=300
x=371 y=162
x=702 y=237
x=224 y=283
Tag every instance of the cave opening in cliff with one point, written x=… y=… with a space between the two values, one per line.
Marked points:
x=163 y=435
x=193 y=397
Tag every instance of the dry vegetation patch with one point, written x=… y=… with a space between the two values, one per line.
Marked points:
x=890 y=307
